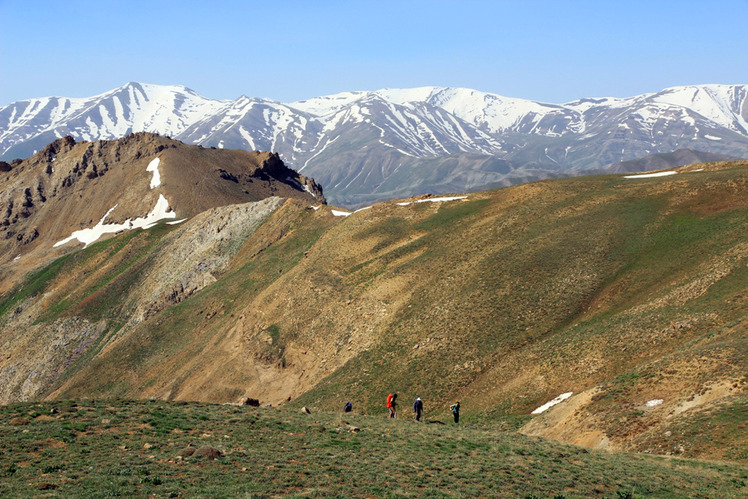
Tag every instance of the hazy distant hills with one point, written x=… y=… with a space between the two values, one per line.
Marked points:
x=390 y=143
x=666 y=160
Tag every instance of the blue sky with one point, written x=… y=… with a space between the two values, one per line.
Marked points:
x=552 y=51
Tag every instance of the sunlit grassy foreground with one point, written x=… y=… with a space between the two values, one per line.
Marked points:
x=132 y=448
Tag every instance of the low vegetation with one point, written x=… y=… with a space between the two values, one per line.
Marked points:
x=119 y=448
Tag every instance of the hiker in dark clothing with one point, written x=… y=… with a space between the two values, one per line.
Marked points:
x=348 y=407
x=456 y=411
x=418 y=408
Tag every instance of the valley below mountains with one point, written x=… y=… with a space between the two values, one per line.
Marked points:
x=629 y=296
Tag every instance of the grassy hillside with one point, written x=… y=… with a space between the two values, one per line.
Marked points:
x=622 y=291
x=125 y=448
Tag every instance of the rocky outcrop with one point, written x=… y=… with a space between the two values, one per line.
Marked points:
x=37 y=354
x=190 y=259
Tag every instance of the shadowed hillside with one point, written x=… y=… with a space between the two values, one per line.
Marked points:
x=628 y=293
x=663 y=161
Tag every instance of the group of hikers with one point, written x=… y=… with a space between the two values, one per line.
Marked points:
x=417 y=407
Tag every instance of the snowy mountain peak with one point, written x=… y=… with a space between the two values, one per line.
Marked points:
x=358 y=140
x=722 y=104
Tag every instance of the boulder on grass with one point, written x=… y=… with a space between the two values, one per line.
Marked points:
x=208 y=452
x=187 y=451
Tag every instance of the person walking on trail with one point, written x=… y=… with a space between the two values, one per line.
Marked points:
x=418 y=408
x=392 y=404
x=456 y=411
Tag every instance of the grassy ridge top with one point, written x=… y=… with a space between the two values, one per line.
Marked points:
x=126 y=448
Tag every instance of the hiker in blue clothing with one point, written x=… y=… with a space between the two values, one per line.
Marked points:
x=418 y=408
x=456 y=411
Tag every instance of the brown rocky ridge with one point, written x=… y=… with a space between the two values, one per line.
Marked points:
x=69 y=186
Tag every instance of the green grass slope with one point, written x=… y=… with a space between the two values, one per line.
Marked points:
x=622 y=291
x=119 y=448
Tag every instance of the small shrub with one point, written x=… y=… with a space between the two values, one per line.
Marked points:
x=51 y=468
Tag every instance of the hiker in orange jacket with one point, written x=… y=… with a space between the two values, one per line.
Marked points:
x=392 y=404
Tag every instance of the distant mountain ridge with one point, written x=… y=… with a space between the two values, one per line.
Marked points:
x=371 y=145
x=664 y=161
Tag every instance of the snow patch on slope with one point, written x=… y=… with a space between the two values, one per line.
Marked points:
x=651 y=175
x=553 y=402
x=432 y=200
x=88 y=236
x=153 y=168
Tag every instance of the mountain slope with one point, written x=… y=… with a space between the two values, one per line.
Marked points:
x=630 y=293
x=355 y=142
x=146 y=446
x=72 y=193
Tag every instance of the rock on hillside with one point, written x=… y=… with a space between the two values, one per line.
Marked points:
x=70 y=193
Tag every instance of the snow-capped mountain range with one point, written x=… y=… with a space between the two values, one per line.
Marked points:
x=367 y=146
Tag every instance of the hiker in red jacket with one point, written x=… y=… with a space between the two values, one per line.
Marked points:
x=392 y=404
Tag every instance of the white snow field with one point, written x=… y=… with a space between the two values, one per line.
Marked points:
x=153 y=168
x=88 y=236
